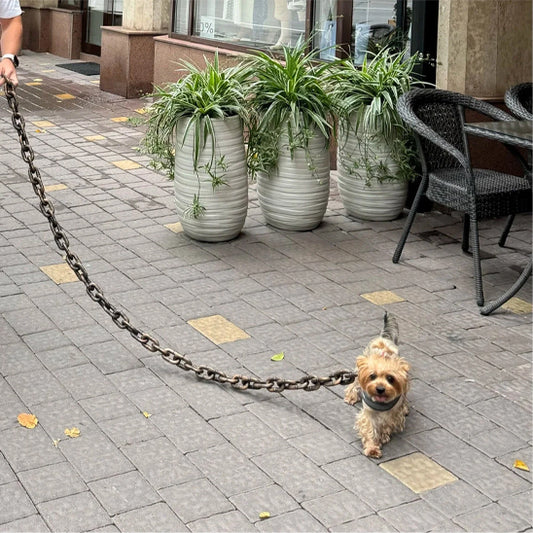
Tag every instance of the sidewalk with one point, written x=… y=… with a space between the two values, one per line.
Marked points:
x=160 y=450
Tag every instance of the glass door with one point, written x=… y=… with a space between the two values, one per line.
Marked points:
x=98 y=13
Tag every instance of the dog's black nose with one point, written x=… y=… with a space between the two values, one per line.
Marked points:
x=380 y=390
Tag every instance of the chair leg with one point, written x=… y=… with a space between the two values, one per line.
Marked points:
x=505 y=232
x=477 y=260
x=410 y=219
x=466 y=233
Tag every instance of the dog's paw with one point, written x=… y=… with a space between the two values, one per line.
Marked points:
x=373 y=451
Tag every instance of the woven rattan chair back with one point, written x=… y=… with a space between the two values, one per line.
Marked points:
x=519 y=100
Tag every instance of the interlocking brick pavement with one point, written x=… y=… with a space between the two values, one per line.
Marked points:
x=161 y=451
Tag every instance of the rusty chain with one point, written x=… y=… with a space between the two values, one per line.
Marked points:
x=273 y=384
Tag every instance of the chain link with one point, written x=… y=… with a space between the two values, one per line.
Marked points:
x=273 y=384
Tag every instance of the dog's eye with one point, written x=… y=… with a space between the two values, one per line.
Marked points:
x=373 y=377
x=390 y=379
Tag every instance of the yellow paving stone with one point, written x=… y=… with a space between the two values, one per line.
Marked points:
x=382 y=297
x=518 y=306
x=120 y=119
x=33 y=83
x=95 y=138
x=43 y=124
x=176 y=227
x=418 y=472
x=126 y=164
x=60 y=273
x=57 y=187
x=217 y=329
x=65 y=96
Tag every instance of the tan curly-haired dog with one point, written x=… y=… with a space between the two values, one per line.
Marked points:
x=382 y=384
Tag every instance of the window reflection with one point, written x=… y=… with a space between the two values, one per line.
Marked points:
x=375 y=25
x=252 y=23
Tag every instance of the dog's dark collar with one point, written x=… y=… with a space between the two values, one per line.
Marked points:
x=378 y=406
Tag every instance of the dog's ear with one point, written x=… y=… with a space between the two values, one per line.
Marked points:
x=362 y=363
x=404 y=365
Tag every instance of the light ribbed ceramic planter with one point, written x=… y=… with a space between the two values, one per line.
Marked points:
x=376 y=201
x=226 y=205
x=293 y=196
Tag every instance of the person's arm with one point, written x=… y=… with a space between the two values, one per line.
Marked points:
x=10 y=43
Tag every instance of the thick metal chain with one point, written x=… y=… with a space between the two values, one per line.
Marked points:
x=273 y=384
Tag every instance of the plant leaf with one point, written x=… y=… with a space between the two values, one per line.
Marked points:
x=27 y=420
x=264 y=514
x=278 y=357
x=520 y=465
x=146 y=414
x=72 y=432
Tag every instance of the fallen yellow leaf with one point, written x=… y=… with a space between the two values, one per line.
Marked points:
x=521 y=465
x=27 y=420
x=147 y=415
x=264 y=514
x=278 y=357
x=72 y=433
x=56 y=442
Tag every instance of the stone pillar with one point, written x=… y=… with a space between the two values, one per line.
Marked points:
x=484 y=46
x=127 y=57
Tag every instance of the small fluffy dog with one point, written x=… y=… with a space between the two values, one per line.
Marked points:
x=382 y=386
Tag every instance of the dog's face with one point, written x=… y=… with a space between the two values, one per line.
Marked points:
x=383 y=378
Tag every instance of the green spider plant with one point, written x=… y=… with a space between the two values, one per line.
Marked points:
x=365 y=99
x=203 y=94
x=286 y=92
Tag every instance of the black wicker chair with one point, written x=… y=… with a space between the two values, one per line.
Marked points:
x=518 y=100
x=437 y=118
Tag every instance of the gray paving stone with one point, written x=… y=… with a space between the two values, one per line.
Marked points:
x=107 y=406
x=84 y=381
x=51 y=482
x=232 y=521
x=128 y=429
x=61 y=357
x=195 y=500
x=37 y=387
x=511 y=417
x=161 y=463
x=157 y=400
x=322 y=446
x=294 y=472
x=228 y=469
x=94 y=456
x=493 y=517
x=135 y=380
x=248 y=434
x=297 y=521
x=370 y=482
x=187 y=430
x=364 y=525
x=336 y=509
x=15 y=503
x=110 y=357
x=124 y=492
x=79 y=512
x=283 y=417
x=17 y=358
x=6 y=473
x=155 y=518
x=27 y=449
x=272 y=499
x=32 y=523
x=413 y=516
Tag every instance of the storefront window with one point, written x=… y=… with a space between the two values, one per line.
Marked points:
x=339 y=27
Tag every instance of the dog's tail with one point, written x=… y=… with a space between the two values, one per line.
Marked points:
x=390 y=328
